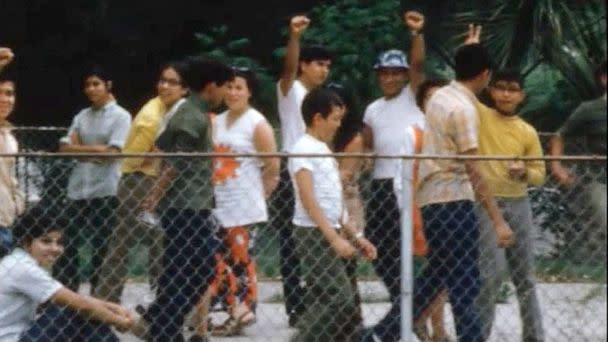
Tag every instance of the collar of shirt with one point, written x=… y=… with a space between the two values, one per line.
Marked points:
x=103 y=109
x=464 y=90
x=168 y=115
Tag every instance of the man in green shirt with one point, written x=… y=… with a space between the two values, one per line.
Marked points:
x=184 y=196
x=587 y=127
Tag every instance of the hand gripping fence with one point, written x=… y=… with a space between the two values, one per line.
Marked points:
x=249 y=274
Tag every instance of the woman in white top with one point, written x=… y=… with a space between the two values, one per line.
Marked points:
x=25 y=283
x=242 y=185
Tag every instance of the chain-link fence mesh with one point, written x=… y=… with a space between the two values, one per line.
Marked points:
x=268 y=280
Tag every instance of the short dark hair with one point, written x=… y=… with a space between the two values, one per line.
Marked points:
x=352 y=123
x=8 y=74
x=427 y=85
x=37 y=222
x=507 y=75
x=319 y=100
x=182 y=69
x=96 y=70
x=470 y=61
x=248 y=75
x=204 y=71
x=315 y=53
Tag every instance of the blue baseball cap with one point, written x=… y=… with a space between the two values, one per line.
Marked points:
x=392 y=59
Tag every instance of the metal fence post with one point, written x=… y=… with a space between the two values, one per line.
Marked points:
x=406 y=261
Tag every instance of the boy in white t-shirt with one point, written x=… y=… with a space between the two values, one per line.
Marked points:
x=319 y=227
x=304 y=69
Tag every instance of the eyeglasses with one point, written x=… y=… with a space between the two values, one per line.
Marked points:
x=169 y=81
x=508 y=89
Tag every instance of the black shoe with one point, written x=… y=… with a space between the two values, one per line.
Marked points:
x=294 y=317
x=197 y=338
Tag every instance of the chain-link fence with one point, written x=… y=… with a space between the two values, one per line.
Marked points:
x=267 y=279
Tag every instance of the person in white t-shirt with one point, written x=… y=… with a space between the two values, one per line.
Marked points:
x=26 y=283
x=303 y=70
x=320 y=224
x=384 y=132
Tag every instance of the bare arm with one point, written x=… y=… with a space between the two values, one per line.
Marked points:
x=102 y=311
x=263 y=139
x=303 y=178
x=559 y=171
x=162 y=183
x=350 y=166
x=292 y=56
x=485 y=198
x=414 y=21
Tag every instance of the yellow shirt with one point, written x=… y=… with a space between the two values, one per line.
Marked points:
x=141 y=138
x=512 y=136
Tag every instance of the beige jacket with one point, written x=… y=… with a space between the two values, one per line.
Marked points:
x=11 y=198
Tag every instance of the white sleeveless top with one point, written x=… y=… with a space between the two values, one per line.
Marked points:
x=239 y=191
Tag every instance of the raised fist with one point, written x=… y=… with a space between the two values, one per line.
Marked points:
x=413 y=20
x=298 y=24
x=6 y=56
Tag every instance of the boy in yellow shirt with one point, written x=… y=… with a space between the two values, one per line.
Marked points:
x=503 y=132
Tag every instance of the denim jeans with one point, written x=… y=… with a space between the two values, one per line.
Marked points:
x=452 y=233
x=6 y=241
x=188 y=263
x=57 y=323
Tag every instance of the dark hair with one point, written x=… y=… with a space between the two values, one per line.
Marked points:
x=37 y=222
x=320 y=100
x=96 y=70
x=248 y=75
x=8 y=75
x=424 y=88
x=181 y=68
x=352 y=123
x=470 y=61
x=315 y=53
x=507 y=75
x=204 y=71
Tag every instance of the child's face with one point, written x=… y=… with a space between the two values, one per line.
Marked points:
x=97 y=90
x=47 y=248
x=326 y=127
x=315 y=72
x=507 y=96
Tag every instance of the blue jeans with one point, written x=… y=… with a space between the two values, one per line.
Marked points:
x=58 y=323
x=6 y=241
x=188 y=264
x=452 y=234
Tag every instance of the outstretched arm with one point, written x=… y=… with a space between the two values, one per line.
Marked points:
x=102 y=311
x=290 y=67
x=414 y=21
